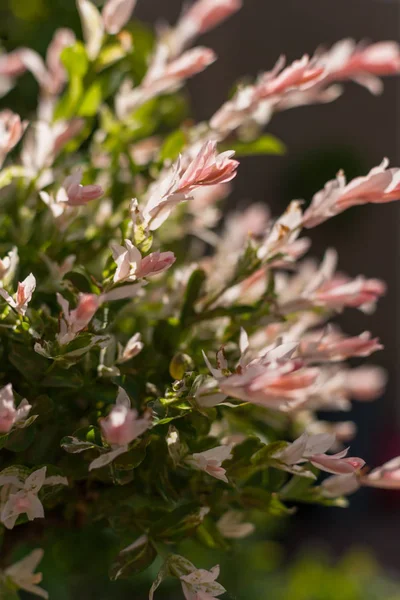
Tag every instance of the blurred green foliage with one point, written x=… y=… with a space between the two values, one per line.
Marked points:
x=263 y=574
x=31 y=23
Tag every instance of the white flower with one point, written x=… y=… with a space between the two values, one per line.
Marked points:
x=8 y=266
x=131 y=266
x=201 y=584
x=231 y=525
x=210 y=461
x=120 y=428
x=23 y=576
x=133 y=347
x=23 y=496
x=23 y=296
x=9 y=415
x=340 y=485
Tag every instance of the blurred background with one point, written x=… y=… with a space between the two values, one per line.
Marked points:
x=353 y=133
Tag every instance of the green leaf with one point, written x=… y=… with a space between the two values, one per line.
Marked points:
x=7 y=589
x=277 y=509
x=247 y=264
x=7 y=175
x=66 y=107
x=29 y=364
x=266 y=144
x=178 y=523
x=209 y=535
x=301 y=489
x=75 y=60
x=20 y=439
x=263 y=457
x=83 y=439
x=173 y=145
x=132 y=459
x=91 y=100
x=254 y=497
x=162 y=574
x=165 y=336
x=192 y=294
x=110 y=54
x=3 y=440
x=239 y=466
x=132 y=562
x=16 y=471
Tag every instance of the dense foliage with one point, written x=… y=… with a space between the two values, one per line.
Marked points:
x=157 y=363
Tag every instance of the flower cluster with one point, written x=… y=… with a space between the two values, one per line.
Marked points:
x=159 y=363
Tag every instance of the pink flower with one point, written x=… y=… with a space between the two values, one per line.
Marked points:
x=366 y=383
x=8 y=266
x=231 y=526
x=120 y=428
x=325 y=288
x=333 y=346
x=299 y=74
x=279 y=385
x=340 y=485
x=282 y=237
x=122 y=425
x=163 y=76
x=64 y=131
x=51 y=76
x=190 y=63
x=379 y=186
x=92 y=27
x=11 y=131
x=362 y=63
x=334 y=291
x=11 y=64
x=312 y=448
x=131 y=265
x=208 y=168
x=307 y=81
x=386 y=477
x=175 y=185
x=23 y=496
x=207 y=14
x=25 y=500
x=23 y=296
x=201 y=17
x=201 y=584
x=210 y=461
x=337 y=463
x=9 y=415
x=72 y=322
x=305 y=447
x=357 y=293
x=116 y=14
x=63 y=38
x=132 y=348
x=75 y=194
x=22 y=574
x=44 y=141
x=257 y=102
x=156 y=263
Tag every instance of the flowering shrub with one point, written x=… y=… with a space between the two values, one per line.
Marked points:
x=156 y=367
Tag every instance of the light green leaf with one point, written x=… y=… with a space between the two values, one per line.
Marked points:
x=75 y=60
x=266 y=144
x=172 y=146
x=91 y=100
